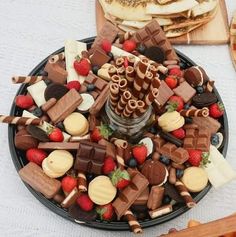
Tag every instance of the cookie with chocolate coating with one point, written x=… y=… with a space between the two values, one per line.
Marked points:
x=204 y=100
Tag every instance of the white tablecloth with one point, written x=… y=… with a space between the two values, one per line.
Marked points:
x=29 y=31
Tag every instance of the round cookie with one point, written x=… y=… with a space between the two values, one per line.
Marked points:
x=87 y=102
x=55 y=90
x=195 y=179
x=101 y=191
x=50 y=172
x=204 y=99
x=156 y=54
x=76 y=124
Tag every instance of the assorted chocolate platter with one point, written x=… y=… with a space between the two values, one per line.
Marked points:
x=119 y=131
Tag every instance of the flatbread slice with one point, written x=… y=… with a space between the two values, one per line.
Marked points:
x=204 y=7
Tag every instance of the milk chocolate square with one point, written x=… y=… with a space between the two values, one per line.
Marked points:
x=185 y=91
x=99 y=58
x=164 y=94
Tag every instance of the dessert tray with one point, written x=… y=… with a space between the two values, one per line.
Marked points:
x=81 y=152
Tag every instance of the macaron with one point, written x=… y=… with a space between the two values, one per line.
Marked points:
x=76 y=124
x=101 y=191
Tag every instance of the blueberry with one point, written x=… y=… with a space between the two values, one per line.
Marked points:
x=95 y=69
x=188 y=120
x=152 y=130
x=110 y=54
x=43 y=73
x=90 y=87
x=186 y=106
x=215 y=140
x=200 y=89
x=166 y=200
x=89 y=177
x=182 y=65
x=179 y=173
x=141 y=48
x=47 y=81
x=37 y=112
x=132 y=163
x=61 y=126
x=165 y=160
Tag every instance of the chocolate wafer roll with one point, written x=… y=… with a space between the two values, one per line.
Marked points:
x=119 y=62
x=210 y=86
x=153 y=69
x=173 y=66
x=122 y=37
x=130 y=108
x=204 y=112
x=112 y=71
x=28 y=79
x=170 y=62
x=119 y=142
x=140 y=109
x=123 y=84
x=185 y=194
x=82 y=182
x=147 y=81
x=126 y=96
x=121 y=71
x=20 y=120
x=133 y=223
x=115 y=79
x=119 y=157
x=155 y=83
x=114 y=95
x=130 y=75
x=164 y=70
x=131 y=60
x=55 y=58
x=150 y=97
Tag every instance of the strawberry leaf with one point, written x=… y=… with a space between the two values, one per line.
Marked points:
x=105 y=130
x=172 y=106
x=205 y=159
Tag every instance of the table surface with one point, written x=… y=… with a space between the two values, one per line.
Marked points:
x=29 y=31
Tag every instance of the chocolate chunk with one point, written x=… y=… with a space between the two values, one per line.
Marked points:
x=55 y=90
x=24 y=141
x=37 y=133
x=98 y=58
x=156 y=54
x=204 y=100
x=80 y=215
x=185 y=91
x=171 y=191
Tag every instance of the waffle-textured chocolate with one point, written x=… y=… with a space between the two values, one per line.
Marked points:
x=90 y=157
x=176 y=154
x=153 y=35
x=196 y=138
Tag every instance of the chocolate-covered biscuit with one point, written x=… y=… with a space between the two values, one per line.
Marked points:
x=55 y=90
x=204 y=100
x=38 y=133
x=156 y=54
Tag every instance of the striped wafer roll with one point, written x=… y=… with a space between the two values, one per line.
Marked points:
x=153 y=69
x=123 y=84
x=150 y=97
x=140 y=109
x=133 y=223
x=119 y=62
x=55 y=58
x=121 y=71
x=114 y=95
x=126 y=96
x=131 y=60
x=162 y=69
x=130 y=75
x=119 y=142
x=122 y=37
x=28 y=79
x=112 y=71
x=20 y=120
x=82 y=182
x=119 y=157
x=130 y=108
x=210 y=86
x=115 y=79
x=155 y=83
x=147 y=81
x=204 y=112
x=173 y=66
x=170 y=62
x=185 y=194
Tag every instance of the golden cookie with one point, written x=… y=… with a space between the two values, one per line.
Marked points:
x=75 y=124
x=195 y=179
x=49 y=172
x=101 y=191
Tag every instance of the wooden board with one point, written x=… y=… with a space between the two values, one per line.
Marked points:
x=232 y=46
x=214 y=32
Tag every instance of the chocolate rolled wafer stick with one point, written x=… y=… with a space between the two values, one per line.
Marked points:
x=155 y=83
x=210 y=86
x=170 y=62
x=121 y=71
x=153 y=69
x=115 y=79
x=131 y=60
x=151 y=96
x=133 y=223
x=123 y=84
x=173 y=66
x=204 y=112
x=114 y=95
x=27 y=79
x=130 y=108
x=162 y=69
x=119 y=62
x=119 y=142
x=185 y=194
x=112 y=71
x=55 y=58
x=130 y=75
x=122 y=37
x=119 y=157
x=140 y=109
x=82 y=182
x=126 y=96
x=146 y=83
x=20 y=120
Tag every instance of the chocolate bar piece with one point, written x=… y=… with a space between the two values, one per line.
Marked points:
x=185 y=91
x=58 y=145
x=153 y=35
x=142 y=198
x=99 y=58
x=164 y=94
x=71 y=198
x=65 y=106
x=161 y=211
x=33 y=175
x=129 y=194
x=90 y=157
x=176 y=154
x=155 y=197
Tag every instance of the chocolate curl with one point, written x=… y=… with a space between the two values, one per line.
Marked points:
x=114 y=95
x=204 y=112
x=210 y=86
x=133 y=223
x=121 y=71
x=151 y=96
x=82 y=182
x=131 y=60
x=126 y=96
x=119 y=142
x=28 y=79
x=140 y=109
x=112 y=71
x=55 y=58
x=185 y=194
x=130 y=75
x=130 y=108
x=147 y=81
x=20 y=120
x=123 y=84
x=119 y=62
x=115 y=79
x=155 y=83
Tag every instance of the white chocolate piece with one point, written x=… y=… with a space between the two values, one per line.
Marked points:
x=101 y=191
x=103 y=72
x=37 y=92
x=46 y=126
x=87 y=102
x=73 y=49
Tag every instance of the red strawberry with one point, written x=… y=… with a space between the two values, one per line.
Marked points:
x=179 y=133
x=109 y=165
x=197 y=157
x=24 y=101
x=99 y=132
x=106 y=45
x=73 y=84
x=55 y=135
x=105 y=212
x=68 y=183
x=82 y=66
x=140 y=153
x=175 y=72
x=85 y=202
x=129 y=45
x=120 y=178
x=36 y=155
x=216 y=110
x=175 y=103
x=171 y=81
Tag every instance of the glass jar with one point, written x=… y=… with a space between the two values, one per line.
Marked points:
x=130 y=129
